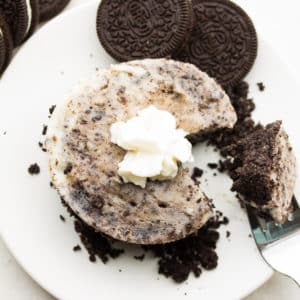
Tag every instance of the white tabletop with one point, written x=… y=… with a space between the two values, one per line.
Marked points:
x=279 y=21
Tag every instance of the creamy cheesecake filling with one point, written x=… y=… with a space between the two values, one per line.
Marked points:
x=284 y=176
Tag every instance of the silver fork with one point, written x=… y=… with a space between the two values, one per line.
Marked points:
x=279 y=245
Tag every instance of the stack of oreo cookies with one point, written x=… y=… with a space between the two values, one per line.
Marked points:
x=215 y=35
x=19 y=19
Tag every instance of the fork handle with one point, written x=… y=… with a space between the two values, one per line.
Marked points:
x=284 y=257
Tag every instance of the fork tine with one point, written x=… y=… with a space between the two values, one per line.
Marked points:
x=267 y=231
x=258 y=228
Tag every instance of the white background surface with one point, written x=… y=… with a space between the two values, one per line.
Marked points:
x=280 y=22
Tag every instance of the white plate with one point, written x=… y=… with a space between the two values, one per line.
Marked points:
x=42 y=73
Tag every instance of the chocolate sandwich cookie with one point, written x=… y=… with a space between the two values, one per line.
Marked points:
x=50 y=8
x=223 y=41
x=6 y=44
x=21 y=16
x=136 y=29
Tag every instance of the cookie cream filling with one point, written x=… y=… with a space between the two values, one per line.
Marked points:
x=154 y=146
x=29 y=13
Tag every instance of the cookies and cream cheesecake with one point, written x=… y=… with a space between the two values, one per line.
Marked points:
x=117 y=147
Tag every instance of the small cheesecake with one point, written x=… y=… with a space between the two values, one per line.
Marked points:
x=84 y=161
x=265 y=170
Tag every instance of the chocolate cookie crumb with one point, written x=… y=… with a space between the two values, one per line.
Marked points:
x=45 y=128
x=175 y=260
x=120 y=270
x=219 y=213
x=197 y=173
x=68 y=169
x=76 y=248
x=250 y=235
x=212 y=166
x=225 y=221
x=51 y=109
x=62 y=218
x=139 y=257
x=228 y=233
x=261 y=86
x=4 y=133
x=178 y=259
x=40 y=144
x=244 y=126
x=224 y=165
x=96 y=243
x=34 y=169
x=92 y=258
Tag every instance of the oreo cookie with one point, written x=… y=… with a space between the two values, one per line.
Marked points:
x=6 y=44
x=50 y=8
x=223 y=41
x=21 y=16
x=136 y=29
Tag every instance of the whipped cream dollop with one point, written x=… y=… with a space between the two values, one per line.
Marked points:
x=154 y=146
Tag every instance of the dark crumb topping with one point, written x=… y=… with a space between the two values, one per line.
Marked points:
x=212 y=165
x=76 y=248
x=225 y=221
x=139 y=257
x=228 y=234
x=190 y=255
x=261 y=86
x=34 y=169
x=197 y=173
x=41 y=145
x=253 y=162
x=251 y=172
x=175 y=260
x=244 y=126
x=68 y=169
x=62 y=218
x=51 y=109
x=45 y=128
x=95 y=243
